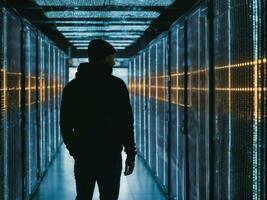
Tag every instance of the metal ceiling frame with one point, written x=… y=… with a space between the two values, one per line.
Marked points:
x=35 y=14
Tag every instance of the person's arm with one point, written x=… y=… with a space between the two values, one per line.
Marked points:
x=66 y=121
x=128 y=128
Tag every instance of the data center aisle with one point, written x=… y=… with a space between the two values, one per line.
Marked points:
x=59 y=183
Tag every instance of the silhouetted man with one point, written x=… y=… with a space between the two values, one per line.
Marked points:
x=96 y=122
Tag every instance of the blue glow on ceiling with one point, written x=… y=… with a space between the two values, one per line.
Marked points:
x=104 y=34
x=103 y=28
x=118 y=29
x=102 y=14
x=113 y=44
x=103 y=2
x=100 y=36
x=84 y=48
x=110 y=22
x=113 y=41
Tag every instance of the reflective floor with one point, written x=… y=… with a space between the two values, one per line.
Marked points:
x=59 y=183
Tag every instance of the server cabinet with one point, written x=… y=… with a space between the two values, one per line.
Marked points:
x=152 y=109
x=47 y=70
x=178 y=108
x=198 y=104
x=29 y=98
x=42 y=130
x=240 y=106
x=136 y=107
x=146 y=93
x=57 y=66
x=141 y=103
x=12 y=63
x=3 y=117
x=51 y=102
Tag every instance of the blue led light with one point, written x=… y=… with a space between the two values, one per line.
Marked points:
x=103 y=2
x=84 y=48
x=102 y=14
x=114 y=44
x=111 y=41
x=109 y=37
x=110 y=22
x=103 y=28
x=102 y=33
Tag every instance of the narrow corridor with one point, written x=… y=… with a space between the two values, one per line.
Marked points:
x=59 y=182
x=195 y=72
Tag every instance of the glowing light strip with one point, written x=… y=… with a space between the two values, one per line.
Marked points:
x=149 y=114
x=177 y=112
x=156 y=82
x=84 y=48
x=129 y=28
x=245 y=64
x=164 y=124
x=199 y=106
x=114 y=41
x=140 y=102
x=75 y=36
x=256 y=153
x=102 y=14
x=115 y=45
x=229 y=103
x=250 y=89
x=144 y=90
x=98 y=34
x=147 y=22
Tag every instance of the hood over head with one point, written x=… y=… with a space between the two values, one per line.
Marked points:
x=93 y=71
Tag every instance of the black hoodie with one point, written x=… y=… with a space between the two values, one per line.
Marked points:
x=96 y=118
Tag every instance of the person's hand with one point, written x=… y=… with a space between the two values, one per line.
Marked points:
x=129 y=167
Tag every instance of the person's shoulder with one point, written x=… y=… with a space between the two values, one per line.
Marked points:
x=118 y=81
x=70 y=85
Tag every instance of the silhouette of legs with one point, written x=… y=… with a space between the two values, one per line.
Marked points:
x=85 y=181
x=106 y=175
x=109 y=184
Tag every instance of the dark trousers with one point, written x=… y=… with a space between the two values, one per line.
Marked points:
x=107 y=175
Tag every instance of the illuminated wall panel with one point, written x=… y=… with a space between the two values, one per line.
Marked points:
x=143 y=102
x=240 y=75
x=42 y=129
x=198 y=105
x=152 y=107
x=30 y=109
x=177 y=74
x=162 y=111
x=238 y=157
x=137 y=102
x=147 y=92
x=3 y=118
x=56 y=91
x=29 y=72
x=148 y=89
x=142 y=105
x=13 y=104
x=47 y=69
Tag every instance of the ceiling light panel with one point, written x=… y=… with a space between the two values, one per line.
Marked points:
x=110 y=22
x=103 y=2
x=109 y=37
x=85 y=48
x=103 y=28
x=102 y=33
x=102 y=14
x=113 y=41
x=114 y=44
